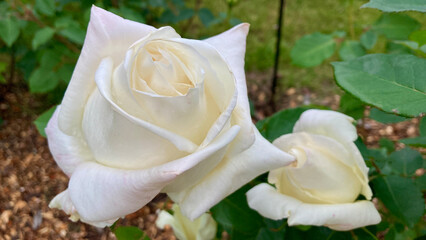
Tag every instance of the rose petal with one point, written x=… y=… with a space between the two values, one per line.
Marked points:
x=232 y=173
x=232 y=46
x=68 y=151
x=271 y=204
x=100 y=194
x=108 y=35
x=327 y=123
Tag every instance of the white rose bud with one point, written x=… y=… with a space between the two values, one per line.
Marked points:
x=321 y=187
x=202 y=228
x=147 y=111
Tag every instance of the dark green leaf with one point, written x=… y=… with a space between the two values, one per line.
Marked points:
x=65 y=72
x=9 y=30
x=274 y=230
x=397 y=5
x=206 y=16
x=280 y=123
x=157 y=3
x=415 y=142
x=128 y=233
x=397 y=48
x=74 y=33
x=406 y=161
x=419 y=37
x=385 y=117
x=422 y=126
x=46 y=7
x=401 y=197
x=351 y=106
x=3 y=67
x=132 y=14
x=236 y=217
x=43 y=119
x=350 y=50
x=384 y=81
x=49 y=59
x=43 y=80
x=234 y=21
x=339 y=34
x=396 y=26
x=42 y=36
x=421 y=182
x=312 y=49
x=368 y=39
x=387 y=144
x=185 y=14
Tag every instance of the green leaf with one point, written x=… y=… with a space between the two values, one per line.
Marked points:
x=422 y=126
x=368 y=39
x=234 y=21
x=351 y=106
x=43 y=119
x=65 y=72
x=206 y=17
x=338 y=34
x=397 y=5
x=385 y=117
x=9 y=30
x=3 y=67
x=46 y=7
x=401 y=197
x=274 y=230
x=129 y=233
x=397 y=48
x=280 y=123
x=49 y=59
x=387 y=144
x=406 y=161
x=393 y=83
x=396 y=26
x=74 y=33
x=350 y=50
x=43 y=80
x=312 y=49
x=42 y=36
x=419 y=37
x=236 y=217
x=421 y=182
x=415 y=142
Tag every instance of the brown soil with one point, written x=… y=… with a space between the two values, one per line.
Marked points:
x=29 y=177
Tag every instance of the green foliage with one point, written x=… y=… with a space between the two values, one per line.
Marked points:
x=397 y=5
x=351 y=106
x=43 y=119
x=417 y=141
x=385 y=117
x=9 y=30
x=312 y=49
x=46 y=7
x=406 y=161
x=235 y=216
x=350 y=50
x=368 y=39
x=401 y=196
x=382 y=81
x=129 y=233
x=280 y=123
x=396 y=26
x=42 y=36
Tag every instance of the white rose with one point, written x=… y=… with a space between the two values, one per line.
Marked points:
x=148 y=111
x=322 y=185
x=202 y=228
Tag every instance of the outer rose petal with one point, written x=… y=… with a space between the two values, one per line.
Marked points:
x=100 y=194
x=271 y=204
x=232 y=46
x=108 y=35
x=327 y=123
x=68 y=151
x=231 y=173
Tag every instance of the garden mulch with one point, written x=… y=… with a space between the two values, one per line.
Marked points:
x=29 y=177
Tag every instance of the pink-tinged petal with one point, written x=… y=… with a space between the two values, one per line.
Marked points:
x=108 y=35
x=327 y=123
x=68 y=151
x=346 y=216
x=100 y=194
x=229 y=175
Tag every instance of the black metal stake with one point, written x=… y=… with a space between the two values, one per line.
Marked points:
x=277 y=56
